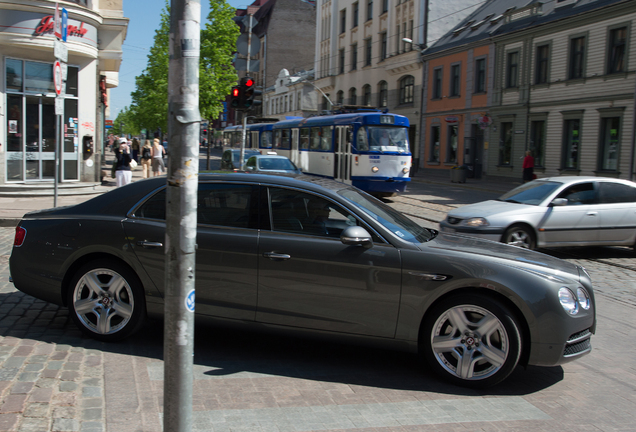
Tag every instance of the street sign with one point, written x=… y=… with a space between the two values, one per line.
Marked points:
x=242 y=44
x=57 y=22
x=59 y=105
x=241 y=65
x=57 y=77
x=64 y=24
x=60 y=50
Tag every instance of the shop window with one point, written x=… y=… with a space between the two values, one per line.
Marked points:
x=505 y=144
x=14 y=74
x=451 y=144
x=571 y=142
x=610 y=143
x=537 y=142
x=434 y=147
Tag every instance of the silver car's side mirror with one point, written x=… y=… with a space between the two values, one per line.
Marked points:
x=356 y=236
x=559 y=202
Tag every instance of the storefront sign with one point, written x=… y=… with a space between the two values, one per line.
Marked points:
x=452 y=119
x=35 y=24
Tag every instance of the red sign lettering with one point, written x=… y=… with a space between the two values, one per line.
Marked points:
x=47 y=23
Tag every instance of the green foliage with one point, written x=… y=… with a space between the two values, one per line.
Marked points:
x=149 y=108
x=125 y=119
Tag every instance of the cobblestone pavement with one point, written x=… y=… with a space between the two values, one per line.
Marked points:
x=54 y=379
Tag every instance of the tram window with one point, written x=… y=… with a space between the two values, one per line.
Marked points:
x=266 y=139
x=277 y=139
x=362 y=143
x=304 y=139
x=326 y=138
x=285 y=142
x=315 y=138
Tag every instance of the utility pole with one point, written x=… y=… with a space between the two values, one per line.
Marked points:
x=181 y=217
x=249 y=54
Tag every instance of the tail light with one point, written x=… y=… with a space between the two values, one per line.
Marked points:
x=20 y=235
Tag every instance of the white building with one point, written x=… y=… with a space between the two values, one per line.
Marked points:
x=28 y=138
x=291 y=95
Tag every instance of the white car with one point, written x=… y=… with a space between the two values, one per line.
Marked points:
x=554 y=212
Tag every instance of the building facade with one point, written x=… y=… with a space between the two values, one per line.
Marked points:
x=290 y=96
x=29 y=130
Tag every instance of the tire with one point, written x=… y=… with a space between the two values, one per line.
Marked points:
x=471 y=341
x=106 y=300
x=521 y=236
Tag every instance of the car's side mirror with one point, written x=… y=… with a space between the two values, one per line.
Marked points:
x=356 y=236
x=559 y=202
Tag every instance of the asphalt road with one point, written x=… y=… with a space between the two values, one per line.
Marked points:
x=52 y=378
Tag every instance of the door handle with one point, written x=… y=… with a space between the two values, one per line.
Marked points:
x=592 y=213
x=149 y=244
x=276 y=256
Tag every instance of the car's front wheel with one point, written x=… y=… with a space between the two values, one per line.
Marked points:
x=106 y=300
x=519 y=235
x=471 y=340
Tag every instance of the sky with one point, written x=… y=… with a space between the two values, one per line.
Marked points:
x=144 y=18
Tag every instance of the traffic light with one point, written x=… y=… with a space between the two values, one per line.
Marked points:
x=248 y=87
x=235 y=97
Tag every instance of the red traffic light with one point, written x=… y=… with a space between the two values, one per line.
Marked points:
x=236 y=92
x=249 y=82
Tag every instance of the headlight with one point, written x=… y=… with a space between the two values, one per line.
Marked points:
x=568 y=301
x=405 y=170
x=476 y=222
x=583 y=298
x=375 y=169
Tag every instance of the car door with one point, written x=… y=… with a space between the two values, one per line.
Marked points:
x=309 y=279
x=576 y=222
x=617 y=210
x=227 y=238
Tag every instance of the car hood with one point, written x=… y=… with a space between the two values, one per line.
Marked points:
x=510 y=255
x=491 y=207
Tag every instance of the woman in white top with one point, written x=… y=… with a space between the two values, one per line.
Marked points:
x=157 y=158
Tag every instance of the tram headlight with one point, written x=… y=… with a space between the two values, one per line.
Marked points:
x=375 y=169
x=405 y=170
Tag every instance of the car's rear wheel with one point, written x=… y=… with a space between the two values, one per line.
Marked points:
x=472 y=341
x=519 y=235
x=106 y=300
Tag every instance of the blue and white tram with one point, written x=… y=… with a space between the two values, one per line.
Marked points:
x=369 y=150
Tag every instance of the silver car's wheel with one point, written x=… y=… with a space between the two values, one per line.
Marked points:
x=106 y=301
x=519 y=236
x=472 y=341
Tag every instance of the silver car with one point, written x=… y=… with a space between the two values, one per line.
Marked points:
x=554 y=212
x=271 y=164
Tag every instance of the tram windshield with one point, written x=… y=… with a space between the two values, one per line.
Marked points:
x=382 y=139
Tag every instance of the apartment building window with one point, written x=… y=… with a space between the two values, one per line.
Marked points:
x=537 y=142
x=455 y=80
x=451 y=144
x=616 y=50
x=437 y=83
x=571 y=143
x=403 y=37
x=577 y=58
x=406 y=89
x=343 y=21
x=480 y=75
x=353 y=96
x=434 y=147
x=385 y=6
x=383 y=46
x=340 y=98
x=354 y=56
x=610 y=143
x=543 y=57
x=366 y=95
x=410 y=35
x=368 y=52
x=399 y=39
x=383 y=93
x=369 y=10
x=505 y=143
x=356 y=8
x=341 y=60
x=512 y=70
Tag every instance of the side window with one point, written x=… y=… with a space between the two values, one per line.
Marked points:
x=304 y=139
x=326 y=138
x=266 y=139
x=153 y=208
x=302 y=213
x=611 y=193
x=251 y=162
x=582 y=193
x=315 y=138
x=362 y=143
x=225 y=205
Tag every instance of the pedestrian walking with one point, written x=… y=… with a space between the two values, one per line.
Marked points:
x=146 y=158
x=528 y=167
x=135 y=149
x=157 y=153
x=123 y=173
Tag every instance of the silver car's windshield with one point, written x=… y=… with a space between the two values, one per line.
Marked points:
x=392 y=220
x=533 y=193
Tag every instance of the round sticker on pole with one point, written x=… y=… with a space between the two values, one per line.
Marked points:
x=57 y=77
x=189 y=301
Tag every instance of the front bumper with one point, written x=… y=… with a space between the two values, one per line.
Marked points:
x=546 y=354
x=493 y=234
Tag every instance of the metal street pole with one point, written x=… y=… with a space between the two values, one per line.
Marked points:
x=181 y=216
x=249 y=54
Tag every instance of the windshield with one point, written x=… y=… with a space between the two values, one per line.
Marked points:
x=383 y=139
x=237 y=154
x=276 y=164
x=533 y=193
x=392 y=220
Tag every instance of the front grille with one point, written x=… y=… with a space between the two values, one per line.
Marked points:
x=580 y=335
x=453 y=220
x=577 y=348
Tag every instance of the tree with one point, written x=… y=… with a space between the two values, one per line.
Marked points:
x=149 y=107
x=126 y=119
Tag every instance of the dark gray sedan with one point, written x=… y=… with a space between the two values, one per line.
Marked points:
x=312 y=256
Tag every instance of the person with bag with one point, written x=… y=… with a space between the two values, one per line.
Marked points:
x=146 y=158
x=135 y=149
x=123 y=173
x=157 y=153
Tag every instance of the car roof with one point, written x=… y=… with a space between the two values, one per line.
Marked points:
x=581 y=179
